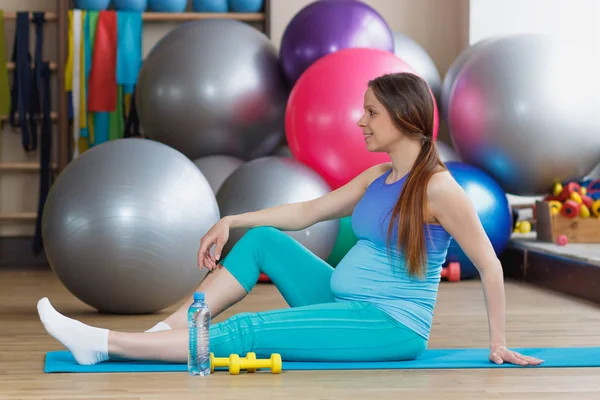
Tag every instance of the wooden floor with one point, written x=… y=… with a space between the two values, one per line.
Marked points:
x=535 y=318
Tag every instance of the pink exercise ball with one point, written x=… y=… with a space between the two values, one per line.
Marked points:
x=325 y=105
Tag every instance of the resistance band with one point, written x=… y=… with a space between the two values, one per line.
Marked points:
x=4 y=86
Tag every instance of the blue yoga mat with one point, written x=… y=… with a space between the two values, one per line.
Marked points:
x=560 y=357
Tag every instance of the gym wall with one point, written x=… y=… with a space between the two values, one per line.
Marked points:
x=573 y=20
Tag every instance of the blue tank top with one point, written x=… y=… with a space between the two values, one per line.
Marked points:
x=371 y=273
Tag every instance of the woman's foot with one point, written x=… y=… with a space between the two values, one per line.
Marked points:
x=88 y=344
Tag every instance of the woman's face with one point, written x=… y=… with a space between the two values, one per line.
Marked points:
x=377 y=125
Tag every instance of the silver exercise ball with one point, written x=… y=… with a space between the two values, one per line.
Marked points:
x=216 y=169
x=414 y=55
x=455 y=68
x=446 y=152
x=122 y=226
x=273 y=181
x=524 y=108
x=213 y=87
x=283 y=151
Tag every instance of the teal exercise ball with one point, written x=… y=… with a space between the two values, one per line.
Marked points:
x=246 y=6
x=92 y=5
x=215 y=6
x=131 y=5
x=173 y=6
x=492 y=207
x=346 y=239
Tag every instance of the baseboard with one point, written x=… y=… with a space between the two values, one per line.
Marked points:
x=17 y=252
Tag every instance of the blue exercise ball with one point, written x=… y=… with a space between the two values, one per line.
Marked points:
x=173 y=6
x=493 y=209
x=216 y=6
x=131 y=5
x=246 y=6
x=94 y=5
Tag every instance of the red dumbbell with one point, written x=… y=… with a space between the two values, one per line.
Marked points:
x=568 y=190
x=451 y=272
x=588 y=201
x=570 y=209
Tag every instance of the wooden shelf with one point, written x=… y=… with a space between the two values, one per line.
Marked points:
x=18 y=216
x=53 y=117
x=23 y=166
x=165 y=16
x=194 y=16
x=50 y=16
x=11 y=66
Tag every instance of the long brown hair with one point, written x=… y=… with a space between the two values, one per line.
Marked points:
x=409 y=102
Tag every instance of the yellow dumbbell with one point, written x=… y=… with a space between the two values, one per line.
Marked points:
x=558 y=188
x=226 y=362
x=584 y=212
x=555 y=207
x=274 y=364
x=523 y=227
x=596 y=208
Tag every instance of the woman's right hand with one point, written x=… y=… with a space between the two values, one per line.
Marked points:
x=217 y=235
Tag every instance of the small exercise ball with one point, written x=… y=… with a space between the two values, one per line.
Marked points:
x=122 y=226
x=274 y=181
x=325 y=106
x=326 y=26
x=524 y=108
x=213 y=87
x=246 y=6
x=92 y=5
x=216 y=169
x=131 y=5
x=450 y=77
x=216 y=6
x=409 y=51
x=492 y=207
x=173 y=6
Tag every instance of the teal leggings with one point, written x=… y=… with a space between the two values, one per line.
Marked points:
x=315 y=327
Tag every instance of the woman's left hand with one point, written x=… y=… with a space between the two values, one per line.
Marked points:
x=501 y=354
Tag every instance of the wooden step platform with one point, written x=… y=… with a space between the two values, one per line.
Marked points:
x=573 y=269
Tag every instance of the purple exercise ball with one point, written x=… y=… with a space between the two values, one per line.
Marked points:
x=326 y=26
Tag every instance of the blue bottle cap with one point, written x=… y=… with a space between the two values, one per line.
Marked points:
x=199 y=296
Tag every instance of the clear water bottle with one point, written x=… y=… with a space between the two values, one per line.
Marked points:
x=199 y=344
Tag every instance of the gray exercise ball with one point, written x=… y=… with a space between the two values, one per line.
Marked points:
x=216 y=169
x=414 y=55
x=450 y=77
x=273 y=181
x=122 y=226
x=446 y=152
x=213 y=87
x=283 y=151
x=524 y=108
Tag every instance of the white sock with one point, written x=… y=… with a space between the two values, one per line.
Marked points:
x=89 y=345
x=161 y=326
